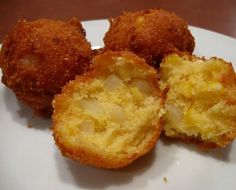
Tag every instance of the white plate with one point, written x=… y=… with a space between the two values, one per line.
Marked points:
x=29 y=159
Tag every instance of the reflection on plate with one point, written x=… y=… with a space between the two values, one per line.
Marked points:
x=29 y=159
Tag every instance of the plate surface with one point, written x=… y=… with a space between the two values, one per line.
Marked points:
x=29 y=159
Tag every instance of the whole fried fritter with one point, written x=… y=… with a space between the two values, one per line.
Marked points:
x=150 y=34
x=38 y=58
x=111 y=115
x=201 y=102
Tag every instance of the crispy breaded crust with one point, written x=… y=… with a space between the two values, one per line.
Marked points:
x=201 y=101
x=113 y=155
x=38 y=58
x=150 y=34
x=198 y=141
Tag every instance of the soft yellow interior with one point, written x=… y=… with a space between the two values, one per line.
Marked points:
x=116 y=112
x=201 y=101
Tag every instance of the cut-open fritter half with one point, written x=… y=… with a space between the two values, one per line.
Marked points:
x=201 y=102
x=150 y=34
x=112 y=115
x=39 y=57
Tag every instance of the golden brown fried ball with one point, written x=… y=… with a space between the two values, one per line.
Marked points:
x=111 y=115
x=150 y=34
x=38 y=58
x=201 y=102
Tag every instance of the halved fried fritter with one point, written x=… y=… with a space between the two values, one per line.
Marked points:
x=201 y=102
x=111 y=115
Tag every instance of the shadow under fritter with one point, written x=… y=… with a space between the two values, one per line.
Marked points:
x=22 y=114
x=89 y=177
x=222 y=154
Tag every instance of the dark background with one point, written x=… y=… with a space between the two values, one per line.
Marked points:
x=216 y=15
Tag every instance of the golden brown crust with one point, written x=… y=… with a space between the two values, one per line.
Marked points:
x=150 y=34
x=195 y=140
x=94 y=157
x=38 y=58
x=106 y=54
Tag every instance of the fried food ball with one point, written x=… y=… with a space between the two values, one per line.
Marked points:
x=38 y=58
x=150 y=34
x=201 y=102
x=111 y=115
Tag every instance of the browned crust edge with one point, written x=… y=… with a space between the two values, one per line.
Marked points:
x=199 y=142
